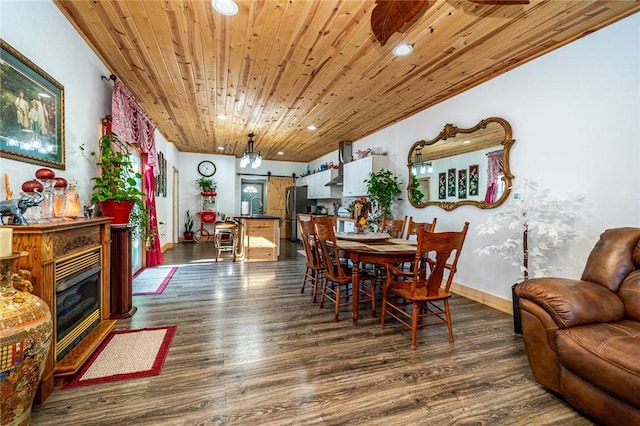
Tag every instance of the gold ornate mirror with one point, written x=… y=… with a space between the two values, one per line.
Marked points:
x=462 y=167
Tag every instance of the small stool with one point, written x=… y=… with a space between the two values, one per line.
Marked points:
x=226 y=238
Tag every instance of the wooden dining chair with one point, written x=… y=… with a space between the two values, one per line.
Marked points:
x=314 y=272
x=417 y=298
x=413 y=227
x=337 y=274
x=393 y=227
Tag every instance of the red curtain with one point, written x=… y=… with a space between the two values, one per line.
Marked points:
x=131 y=124
x=494 y=171
x=154 y=251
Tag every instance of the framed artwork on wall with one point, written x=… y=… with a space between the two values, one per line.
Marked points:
x=31 y=111
x=161 y=178
x=462 y=184
x=442 y=186
x=451 y=182
x=473 y=180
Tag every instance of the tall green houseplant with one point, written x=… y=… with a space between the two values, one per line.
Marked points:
x=382 y=188
x=118 y=180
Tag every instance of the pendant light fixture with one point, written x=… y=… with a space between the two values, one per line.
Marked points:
x=250 y=157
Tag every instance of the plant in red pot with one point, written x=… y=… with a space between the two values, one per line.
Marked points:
x=188 y=226
x=116 y=188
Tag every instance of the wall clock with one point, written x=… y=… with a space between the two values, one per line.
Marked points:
x=206 y=168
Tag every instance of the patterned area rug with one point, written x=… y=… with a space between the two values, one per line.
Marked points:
x=152 y=280
x=126 y=354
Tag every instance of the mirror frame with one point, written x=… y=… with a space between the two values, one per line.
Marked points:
x=451 y=131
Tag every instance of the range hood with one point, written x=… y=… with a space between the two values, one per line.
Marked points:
x=345 y=152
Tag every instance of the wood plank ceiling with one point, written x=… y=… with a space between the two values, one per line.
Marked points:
x=278 y=66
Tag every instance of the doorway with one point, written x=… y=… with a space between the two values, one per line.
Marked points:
x=252 y=190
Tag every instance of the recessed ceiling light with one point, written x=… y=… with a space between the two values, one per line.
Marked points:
x=225 y=7
x=403 y=49
x=466 y=142
x=222 y=116
x=221 y=148
x=280 y=153
x=311 y=127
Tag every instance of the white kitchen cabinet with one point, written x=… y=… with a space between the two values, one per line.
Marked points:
x=303 y=180
x=317 y=182
x=356 y=172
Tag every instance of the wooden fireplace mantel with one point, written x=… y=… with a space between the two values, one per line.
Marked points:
x=47 y=244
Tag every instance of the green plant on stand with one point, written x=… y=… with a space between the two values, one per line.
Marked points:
x=206 y=184
x=118 y=182
x=382 y=189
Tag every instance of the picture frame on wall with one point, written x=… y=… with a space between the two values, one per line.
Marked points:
x=451 y=182
x=161 y=178
x=473 y=180
x=462 y=184
x=442 y=186
x=31 y=111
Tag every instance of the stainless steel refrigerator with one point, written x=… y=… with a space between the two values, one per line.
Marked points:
x=297 y=202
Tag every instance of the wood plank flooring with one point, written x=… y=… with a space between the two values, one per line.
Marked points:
x=250 y=349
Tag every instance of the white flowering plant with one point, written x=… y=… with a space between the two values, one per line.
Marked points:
x=537 y=223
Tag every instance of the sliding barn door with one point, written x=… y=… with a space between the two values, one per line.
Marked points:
x=276 y=200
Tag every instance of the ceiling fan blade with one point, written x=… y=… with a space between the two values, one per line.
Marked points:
x=500 y=2
x=389 y=16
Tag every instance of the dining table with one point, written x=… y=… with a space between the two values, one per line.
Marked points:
x=372 y=248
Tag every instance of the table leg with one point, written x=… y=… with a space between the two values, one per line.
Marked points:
x=355 y=287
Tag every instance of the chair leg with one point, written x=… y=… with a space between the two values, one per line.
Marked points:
x=373 y=298
x=336 y=315
x=447 y=313
x=317 y=278
x=324 y=290
x=304 y=279
x=384 y=308
x=414 y=325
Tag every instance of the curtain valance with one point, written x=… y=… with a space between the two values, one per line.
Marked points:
x=131 y=123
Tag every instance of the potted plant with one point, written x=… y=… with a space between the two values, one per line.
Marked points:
x=416 y=194
x=537 y=225
x=188 y=226
x=382 y=188
x=115 y=189
x=206 y=185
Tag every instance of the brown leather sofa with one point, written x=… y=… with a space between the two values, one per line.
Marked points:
x=582 y=337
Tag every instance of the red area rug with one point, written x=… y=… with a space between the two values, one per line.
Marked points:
x=152 y=280
x=126 y=354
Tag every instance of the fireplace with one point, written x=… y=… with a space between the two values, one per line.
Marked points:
x=77 y=299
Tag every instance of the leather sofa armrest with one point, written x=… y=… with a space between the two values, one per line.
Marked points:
x=572 y=302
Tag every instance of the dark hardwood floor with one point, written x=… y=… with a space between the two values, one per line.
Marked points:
x=251 y=350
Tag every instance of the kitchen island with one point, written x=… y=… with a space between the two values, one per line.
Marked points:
x=260 y=236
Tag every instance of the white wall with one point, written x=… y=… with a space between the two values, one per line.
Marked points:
x=575 y=114
x=42 y=34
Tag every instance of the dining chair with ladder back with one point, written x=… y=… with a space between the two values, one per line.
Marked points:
x=337 y=275
x=412 y=233
x=314 y=272
x=416 y=298
x=413 y=227
x=393 y=227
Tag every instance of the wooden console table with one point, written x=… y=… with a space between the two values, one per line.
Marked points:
x=61 y=242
